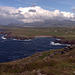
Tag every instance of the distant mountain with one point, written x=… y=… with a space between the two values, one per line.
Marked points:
x=46 y=23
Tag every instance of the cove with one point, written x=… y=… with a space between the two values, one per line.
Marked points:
x=12 y=49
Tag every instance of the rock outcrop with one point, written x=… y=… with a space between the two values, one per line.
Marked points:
x=71 y=42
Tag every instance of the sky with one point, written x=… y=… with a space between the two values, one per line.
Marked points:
x=27 y=11
x=63 y=5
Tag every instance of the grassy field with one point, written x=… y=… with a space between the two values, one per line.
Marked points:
x=66 y=32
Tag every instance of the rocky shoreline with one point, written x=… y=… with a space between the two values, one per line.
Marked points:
x=18 y=37
x=62 y=41
x=11 y=36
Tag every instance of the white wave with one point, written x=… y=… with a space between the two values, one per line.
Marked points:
x=14 y=39
x=58 y=39
x=67 y=44
x=53 y=43
x=3 y=37
x=28 y=40
x=22 y=40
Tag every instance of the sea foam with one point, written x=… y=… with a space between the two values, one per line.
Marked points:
x=53 y=43
x=3 y=37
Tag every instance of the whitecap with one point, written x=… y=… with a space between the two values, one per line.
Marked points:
x=3 y=37
x=53 y=43
x=67 y=44
x=14 y=39
x=58 y=39
x=22 y=40
x=28 y=40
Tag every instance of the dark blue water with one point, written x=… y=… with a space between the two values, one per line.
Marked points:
x=15 y=49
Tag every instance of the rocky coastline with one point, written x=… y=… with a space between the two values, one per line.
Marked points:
x=11 y=36
x=64 y=41
x=18 y=37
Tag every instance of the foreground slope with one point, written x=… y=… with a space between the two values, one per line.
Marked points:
x=53 y=62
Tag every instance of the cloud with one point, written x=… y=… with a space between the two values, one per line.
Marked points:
x=9 y=9
x=41 y=14
x=32 y=10
x=31 y=14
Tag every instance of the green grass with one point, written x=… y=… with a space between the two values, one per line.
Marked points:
x=66 y=32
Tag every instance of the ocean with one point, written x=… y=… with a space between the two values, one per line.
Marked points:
x=13 y=49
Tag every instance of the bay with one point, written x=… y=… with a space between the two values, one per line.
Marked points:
x=12 y=49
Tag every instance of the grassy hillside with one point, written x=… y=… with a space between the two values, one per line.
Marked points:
x=51 y=62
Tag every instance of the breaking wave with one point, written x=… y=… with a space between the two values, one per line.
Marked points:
x=3 y=37
x=22 y=40
x=53 y=43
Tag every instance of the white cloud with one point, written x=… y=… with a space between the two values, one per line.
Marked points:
x=31 y=14
x=9 y=9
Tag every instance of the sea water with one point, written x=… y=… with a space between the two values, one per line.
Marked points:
x=13 y=49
